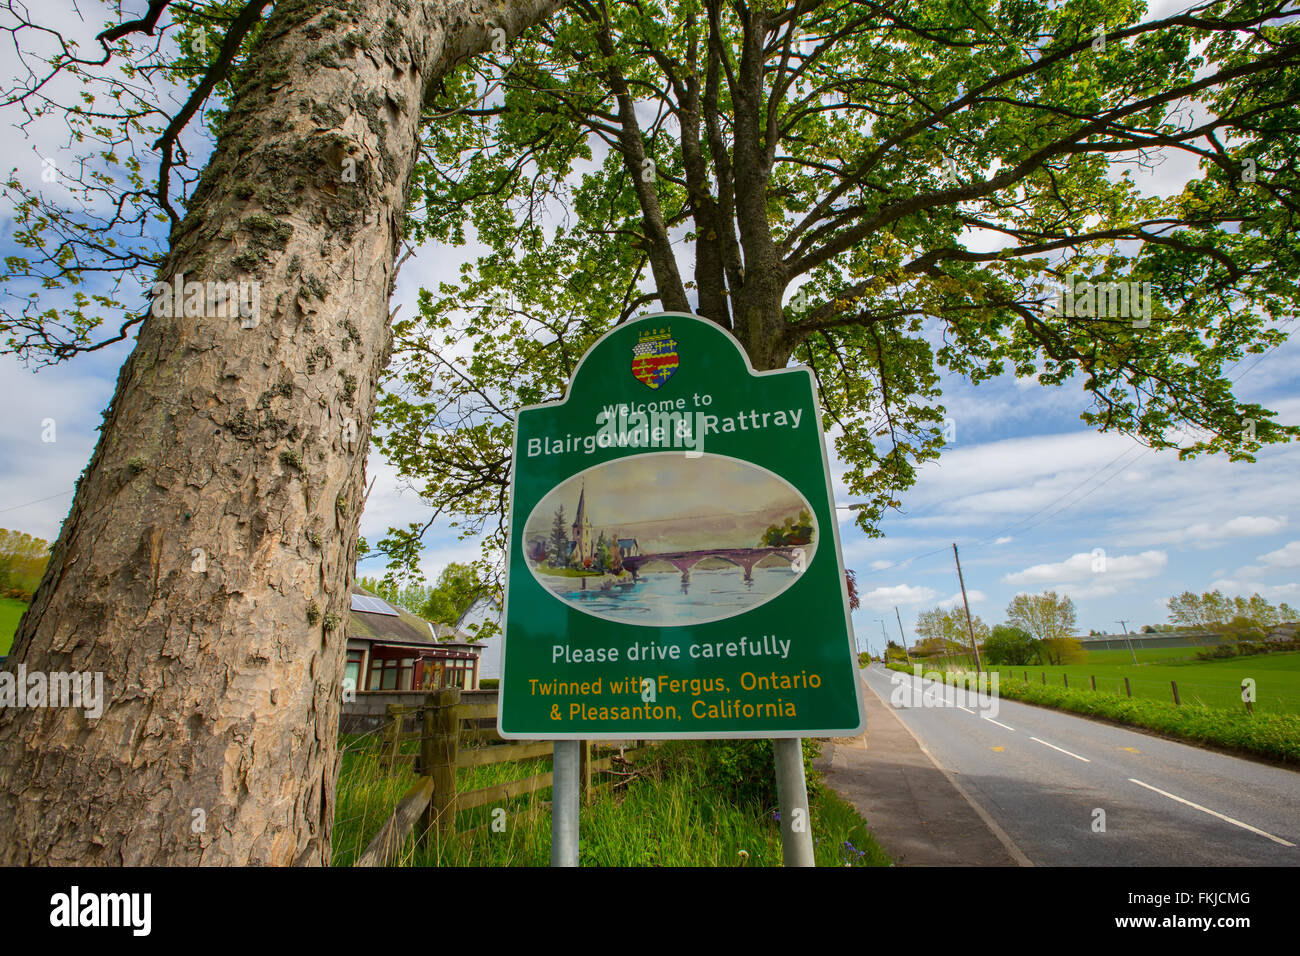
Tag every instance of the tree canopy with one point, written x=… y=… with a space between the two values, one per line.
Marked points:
x=1047 y=616
x=1213 y=609
x=1008 y=644
x=945 y=631
x=877 y=190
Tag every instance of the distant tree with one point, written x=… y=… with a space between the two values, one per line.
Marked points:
x=1010 y=645
x=22 y=562
x=1046 y=616
x=458 y=586
x=851 y=583
x=559 y=540
x=412 y=597
x=1213 y=610
x=1198 y=612
x=931 y=647
x=944 y=630
x=932 y=629
x=1061 y=650
x=895 y=652
x=603 y=557
x=537 y=550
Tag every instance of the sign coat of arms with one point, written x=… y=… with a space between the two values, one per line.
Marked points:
x=654 y=357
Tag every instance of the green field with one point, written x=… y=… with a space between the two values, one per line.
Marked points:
x=10 y=612
x=1212 y=683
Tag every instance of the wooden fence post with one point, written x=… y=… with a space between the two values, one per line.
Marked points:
x=1066 y=678
x=1094 y=681
x=1127 y=689
x=1174 y=685
x=1044 y=673
x=444 y=747
x=428 y=759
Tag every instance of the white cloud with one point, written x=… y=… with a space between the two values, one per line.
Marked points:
x=973 y=595
x=886 y=597
x=881 y=565
x=1242 y=526
x=1089 y=568
x=1284 y=557
x=1004 y=539
x=1272 y=592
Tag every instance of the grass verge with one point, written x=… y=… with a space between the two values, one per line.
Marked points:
x=670 y=814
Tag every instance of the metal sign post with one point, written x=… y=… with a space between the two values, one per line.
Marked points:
x=564 y=803
x=792 y=796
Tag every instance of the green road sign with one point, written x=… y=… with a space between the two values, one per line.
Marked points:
x=675 y=566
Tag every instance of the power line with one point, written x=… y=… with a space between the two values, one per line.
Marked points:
x=36 y=502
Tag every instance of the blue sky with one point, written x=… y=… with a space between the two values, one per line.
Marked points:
x=1026 y=490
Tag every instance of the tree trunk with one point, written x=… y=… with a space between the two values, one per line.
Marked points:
x=206 y=564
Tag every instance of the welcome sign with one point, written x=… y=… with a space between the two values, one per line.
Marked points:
x=675 y=565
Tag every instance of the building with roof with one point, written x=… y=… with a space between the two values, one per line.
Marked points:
x=391 y=649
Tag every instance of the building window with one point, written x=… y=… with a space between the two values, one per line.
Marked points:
x=391 y=673
x=354 y=668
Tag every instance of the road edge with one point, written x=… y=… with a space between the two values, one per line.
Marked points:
x=1001 y=835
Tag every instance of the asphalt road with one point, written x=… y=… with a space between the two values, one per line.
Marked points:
x=1042 y=775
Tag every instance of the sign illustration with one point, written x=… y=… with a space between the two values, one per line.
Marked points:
x=674 y=565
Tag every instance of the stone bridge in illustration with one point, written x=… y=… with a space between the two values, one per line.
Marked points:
x=683 y=561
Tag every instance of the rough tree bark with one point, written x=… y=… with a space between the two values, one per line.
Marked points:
x=206 y=562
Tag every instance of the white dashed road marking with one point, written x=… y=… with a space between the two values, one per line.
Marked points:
x=1066 y=752
x=1213 y=813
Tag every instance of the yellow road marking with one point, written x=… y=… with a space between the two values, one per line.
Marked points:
x=1132 y=750
x=999 y=749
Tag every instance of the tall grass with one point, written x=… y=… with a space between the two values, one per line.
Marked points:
x=670 y=814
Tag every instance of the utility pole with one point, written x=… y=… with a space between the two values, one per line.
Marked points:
x=884 y=647
x=906 y=656
x=1124 y=624
x=970 y=625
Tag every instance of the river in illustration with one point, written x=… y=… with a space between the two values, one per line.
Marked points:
x=665 y=600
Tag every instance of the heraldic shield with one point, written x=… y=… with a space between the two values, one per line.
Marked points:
x=654 y=357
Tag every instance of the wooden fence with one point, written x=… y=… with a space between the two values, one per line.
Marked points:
x=454 y=735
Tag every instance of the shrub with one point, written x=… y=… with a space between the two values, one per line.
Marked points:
x=746 y=769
